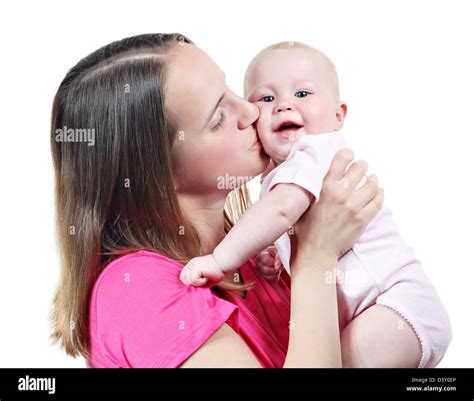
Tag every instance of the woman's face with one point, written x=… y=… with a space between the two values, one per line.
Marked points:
x=217 y=147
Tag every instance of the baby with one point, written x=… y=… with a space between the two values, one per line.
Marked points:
x=296 y=89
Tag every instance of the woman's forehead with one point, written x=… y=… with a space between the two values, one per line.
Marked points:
x=193 y=82
x=189 y=67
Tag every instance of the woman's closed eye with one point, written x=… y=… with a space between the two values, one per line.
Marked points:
x=219 y=123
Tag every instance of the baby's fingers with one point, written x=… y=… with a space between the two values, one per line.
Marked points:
x=196 y=278
x=278 y=263
x=265 y=258
x=184 y=276
x=272 y=278
x=267 y=270
x=190 y=276
x=199 y=282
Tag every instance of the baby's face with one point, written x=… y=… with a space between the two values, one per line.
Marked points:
x=294 y=91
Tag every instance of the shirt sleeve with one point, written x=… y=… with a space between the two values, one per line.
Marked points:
x=307 y=164
x=147 y=318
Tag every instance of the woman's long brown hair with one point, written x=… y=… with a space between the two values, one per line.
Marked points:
x=114 y=192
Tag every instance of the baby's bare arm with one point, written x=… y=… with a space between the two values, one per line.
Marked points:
x=379 y=338
x=262 y=224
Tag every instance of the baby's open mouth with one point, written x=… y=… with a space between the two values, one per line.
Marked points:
x=285 y=128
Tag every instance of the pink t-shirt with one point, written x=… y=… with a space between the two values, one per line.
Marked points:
x=142 y=316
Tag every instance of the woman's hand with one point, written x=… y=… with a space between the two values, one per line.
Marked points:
x=327 y=230
x=333 y=224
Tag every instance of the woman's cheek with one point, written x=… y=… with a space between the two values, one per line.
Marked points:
x=223 y=158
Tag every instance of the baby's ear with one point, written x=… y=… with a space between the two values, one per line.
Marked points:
x=341 y=112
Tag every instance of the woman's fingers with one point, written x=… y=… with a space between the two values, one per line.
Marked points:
x=337 y=220
x=354 y=175
x=343 y=189
x=339 y=164
x=372 y=208
x=362 y=196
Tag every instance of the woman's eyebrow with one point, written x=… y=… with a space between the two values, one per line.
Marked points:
x=215 y=108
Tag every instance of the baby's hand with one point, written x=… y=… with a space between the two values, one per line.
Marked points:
x=269 y=264
x=200 y=270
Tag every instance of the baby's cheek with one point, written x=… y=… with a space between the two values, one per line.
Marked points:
x=264 y=122
x=320 y=119
x=262 y=127
x=264 y=133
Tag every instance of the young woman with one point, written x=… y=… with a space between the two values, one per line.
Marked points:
x=144 y=199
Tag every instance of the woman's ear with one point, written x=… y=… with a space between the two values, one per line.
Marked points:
x=341 y=111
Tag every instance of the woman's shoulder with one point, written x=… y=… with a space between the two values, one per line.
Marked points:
x=140 y=262
x=141 y=312
x=139 y=280
x=139 y=267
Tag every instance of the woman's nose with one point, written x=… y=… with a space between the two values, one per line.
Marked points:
x=249 y=114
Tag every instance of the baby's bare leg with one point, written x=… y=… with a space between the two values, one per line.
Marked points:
x=379 y=338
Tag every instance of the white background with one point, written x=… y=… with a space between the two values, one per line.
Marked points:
x=406 y=72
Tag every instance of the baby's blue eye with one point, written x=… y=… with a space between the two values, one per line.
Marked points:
x=267 y=99
x=301 y=93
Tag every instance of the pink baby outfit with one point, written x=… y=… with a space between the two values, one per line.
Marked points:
x=381 y=268
x=143 y=316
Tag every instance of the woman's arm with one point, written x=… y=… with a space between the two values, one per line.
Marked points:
x=224 y=349
x=327 y=230
x=314 y=327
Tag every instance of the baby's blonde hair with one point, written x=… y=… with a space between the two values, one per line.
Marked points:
x=331 y=68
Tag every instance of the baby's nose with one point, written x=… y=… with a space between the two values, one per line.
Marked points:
x=284 y=107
